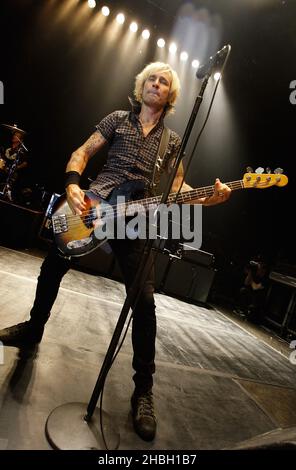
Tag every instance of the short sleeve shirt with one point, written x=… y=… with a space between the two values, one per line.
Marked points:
x=131 y=155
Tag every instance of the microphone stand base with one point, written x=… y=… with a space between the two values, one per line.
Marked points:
x=66 y=429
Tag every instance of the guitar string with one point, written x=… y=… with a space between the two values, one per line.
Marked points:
x=239 y=184
x=154 y=200
x=151 y=202
x=113 y=210
x=110 y=213
x=77 y=219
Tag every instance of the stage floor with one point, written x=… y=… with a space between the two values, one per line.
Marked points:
x=217 y=383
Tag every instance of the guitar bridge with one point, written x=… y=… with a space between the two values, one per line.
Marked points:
x=59 y=223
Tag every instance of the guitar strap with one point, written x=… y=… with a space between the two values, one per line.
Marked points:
x=158 y=165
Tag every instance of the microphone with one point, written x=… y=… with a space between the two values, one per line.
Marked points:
x=213 y=62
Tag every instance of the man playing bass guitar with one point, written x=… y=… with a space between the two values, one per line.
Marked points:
x=133 y=138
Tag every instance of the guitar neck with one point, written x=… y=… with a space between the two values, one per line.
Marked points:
x=205 y=191
x=182 y=198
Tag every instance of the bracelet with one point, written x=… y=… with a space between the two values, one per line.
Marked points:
x=72 y=177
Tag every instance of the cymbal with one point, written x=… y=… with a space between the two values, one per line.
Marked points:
x=13 y=128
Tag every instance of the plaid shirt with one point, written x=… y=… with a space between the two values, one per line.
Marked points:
x=131 y=156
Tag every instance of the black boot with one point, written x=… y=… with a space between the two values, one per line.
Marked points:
x=144 y=419
x=24 y=334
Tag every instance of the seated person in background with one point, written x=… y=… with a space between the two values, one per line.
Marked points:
x=252 y=293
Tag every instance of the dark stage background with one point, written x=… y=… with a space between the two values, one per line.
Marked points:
x=61 y=76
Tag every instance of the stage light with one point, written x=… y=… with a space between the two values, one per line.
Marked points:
x=120 y=18
x=105 y=11
x=184 y=56
x=217 y=75
x=133 y=27
x=173 y=48
x=195 y=64
x=161 y=42
x=146 y=34
x=91 y=3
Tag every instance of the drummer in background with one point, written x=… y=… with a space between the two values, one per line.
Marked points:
x=16 y=149
x=9 y=157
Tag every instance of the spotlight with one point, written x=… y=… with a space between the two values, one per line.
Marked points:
x=161 y=42
x=105 y=11
x=120 y=18
x=173 y=47
x=217 y=76
x=184 y=56
x=91 y=3
x=195 y=64
x=133 y=27
x=146 y=34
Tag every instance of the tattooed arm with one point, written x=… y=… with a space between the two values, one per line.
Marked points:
x=80 y=157
x=78 y=162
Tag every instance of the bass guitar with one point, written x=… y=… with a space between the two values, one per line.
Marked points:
x=75 y=234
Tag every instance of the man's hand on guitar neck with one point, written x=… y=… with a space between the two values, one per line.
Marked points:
x=75 y=199
x=221 y=191
x=221 y=194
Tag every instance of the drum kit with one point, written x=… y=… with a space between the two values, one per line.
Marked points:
x=8 y=168
x=14 y=188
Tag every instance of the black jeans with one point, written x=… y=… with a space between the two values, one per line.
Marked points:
x=128 y=253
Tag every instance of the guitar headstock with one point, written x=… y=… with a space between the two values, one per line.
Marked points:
x=262 y=180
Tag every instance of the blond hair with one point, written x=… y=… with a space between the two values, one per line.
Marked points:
x=152 y=68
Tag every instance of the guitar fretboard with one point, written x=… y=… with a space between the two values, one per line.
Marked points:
x=181 y=198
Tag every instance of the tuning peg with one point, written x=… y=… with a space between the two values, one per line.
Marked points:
x=259 y=170
x=268 y=170
x=249 y=169
x=278 y=171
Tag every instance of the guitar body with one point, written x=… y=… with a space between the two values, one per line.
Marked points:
x=75 y=235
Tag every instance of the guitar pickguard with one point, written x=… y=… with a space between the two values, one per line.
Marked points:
x=74 y=244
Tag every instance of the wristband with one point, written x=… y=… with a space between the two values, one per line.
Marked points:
x=72 y=177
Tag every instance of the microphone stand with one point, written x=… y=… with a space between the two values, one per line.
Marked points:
x=68 y=427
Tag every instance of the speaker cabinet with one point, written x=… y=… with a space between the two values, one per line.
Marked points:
x=277 y=303
x=189 y=281
x=280 y=305
x=291 y=321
